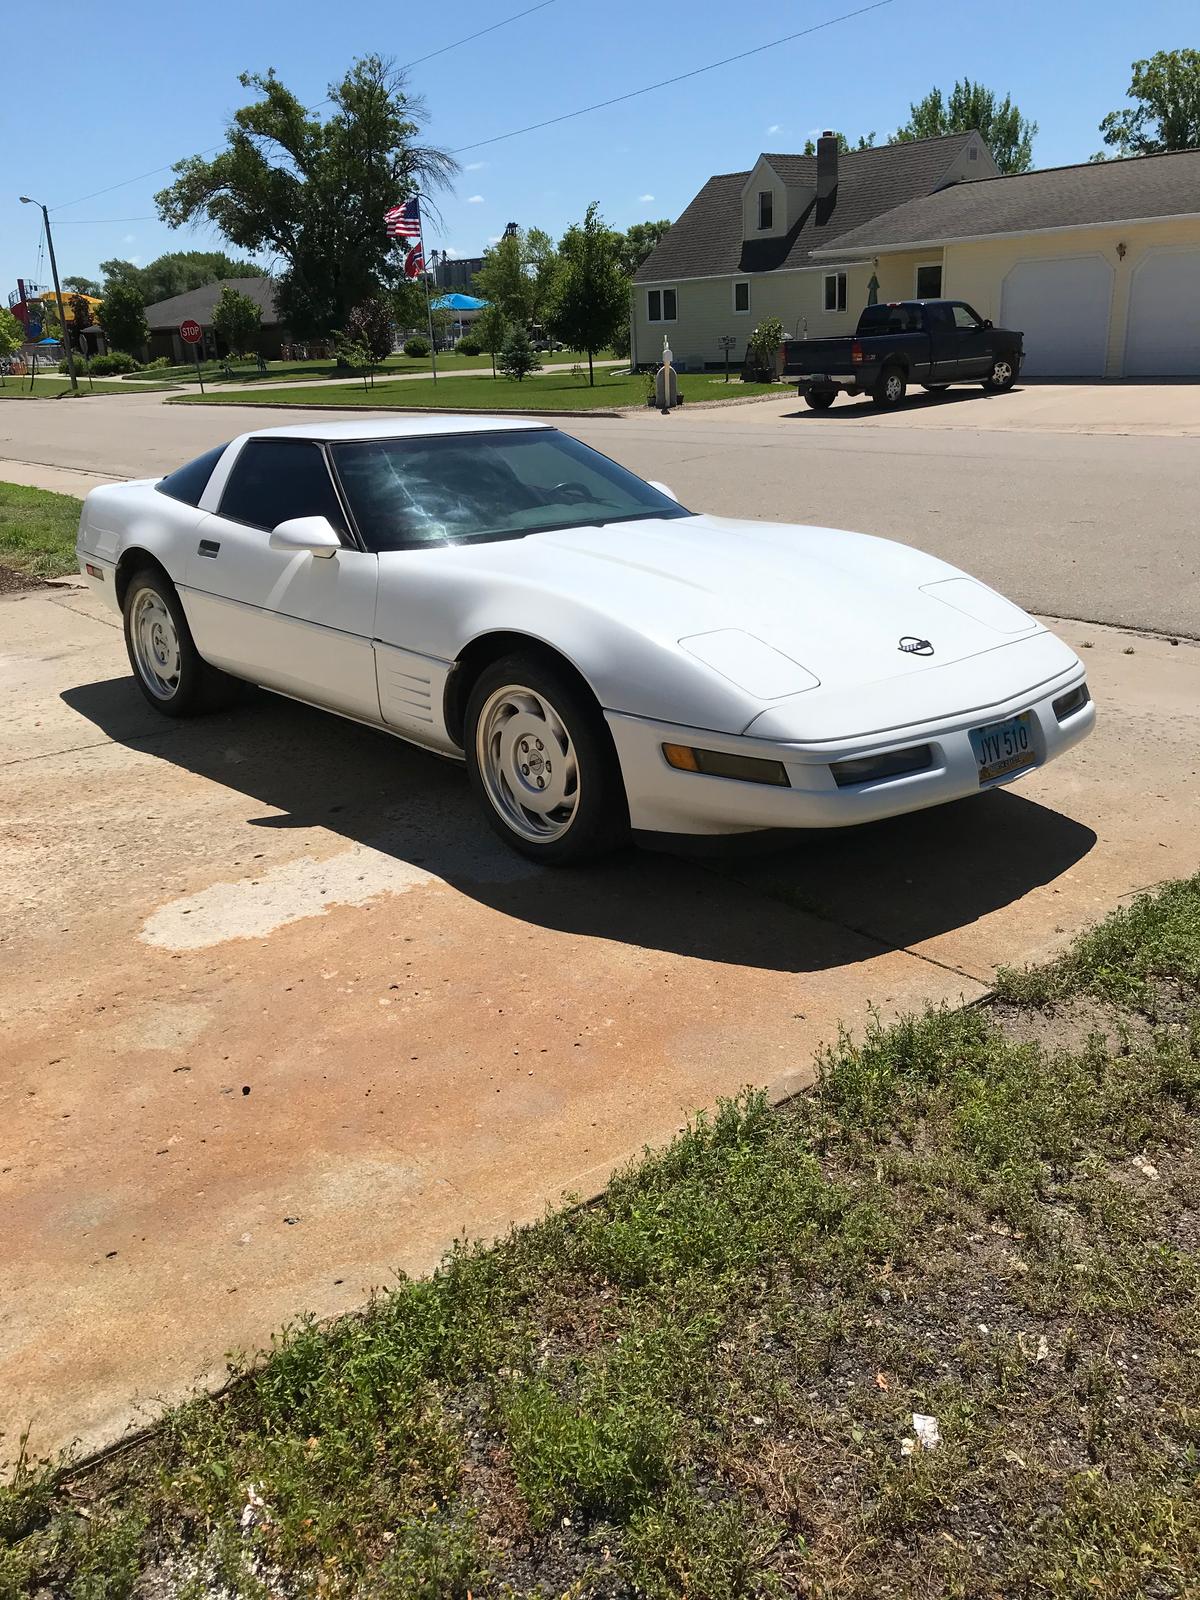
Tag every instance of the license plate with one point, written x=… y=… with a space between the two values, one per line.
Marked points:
x=1002 y=748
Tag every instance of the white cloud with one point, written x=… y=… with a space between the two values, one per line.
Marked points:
x=776 y=127
x=645 y=198
x=495 y=238
x=474 y=199
x=475 y=166
x=451 y=252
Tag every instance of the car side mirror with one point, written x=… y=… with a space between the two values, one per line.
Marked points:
x=663 y=489
x=987 y=322
x=316 y=535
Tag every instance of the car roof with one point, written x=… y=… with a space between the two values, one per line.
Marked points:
x=397 y=427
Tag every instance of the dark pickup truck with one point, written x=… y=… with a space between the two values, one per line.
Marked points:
x=931 y=342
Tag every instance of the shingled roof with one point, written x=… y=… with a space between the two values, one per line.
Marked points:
x=706 y=241
x=199 y=304
x=1143 y=187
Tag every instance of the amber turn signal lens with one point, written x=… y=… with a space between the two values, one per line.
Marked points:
x=720 y=764
x=681 y=756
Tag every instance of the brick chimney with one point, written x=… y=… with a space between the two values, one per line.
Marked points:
x=827 y=164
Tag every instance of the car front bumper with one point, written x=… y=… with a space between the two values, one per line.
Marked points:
x=663 y=799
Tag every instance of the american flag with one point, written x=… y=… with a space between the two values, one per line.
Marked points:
x=404 y=222
x=414 y=261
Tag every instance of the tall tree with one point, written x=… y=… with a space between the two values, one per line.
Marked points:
x=315 y=191
x=1167 y=87
x=1004 y=130
x=237 y=319
x=591 y=298
x=12 y=337
x=78 y=285
x=492 y=328
x=123 y=318
x=638 y=241
x=518 y=274
x=177 y=272
x=81 y=317
x=866 y=141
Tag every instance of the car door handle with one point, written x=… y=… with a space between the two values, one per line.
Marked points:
x=209 y=547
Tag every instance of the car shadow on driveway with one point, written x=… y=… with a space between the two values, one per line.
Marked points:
x=862 y=406
x=885 y=884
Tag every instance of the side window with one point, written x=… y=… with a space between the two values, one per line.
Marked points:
x=189 y=483
x=660 y=305
x=929 y=281
x=766 y=209
x=964 y=317
x=835 y=291
x=741 y=297
x=274 y=480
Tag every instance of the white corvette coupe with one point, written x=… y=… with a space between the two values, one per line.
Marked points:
x=601 y=658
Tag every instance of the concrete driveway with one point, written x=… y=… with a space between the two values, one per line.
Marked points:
x=282 y=1019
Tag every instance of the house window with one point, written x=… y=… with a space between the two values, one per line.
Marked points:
x=766 y=209
x=929 y=281
x=835 y=291
x=741 y=296
x=660 y=305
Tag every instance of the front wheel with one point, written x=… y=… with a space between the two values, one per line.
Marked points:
x=891 y=389
x=170 y=672
x=541 y=760
x=1002 y=376
x=820 y=399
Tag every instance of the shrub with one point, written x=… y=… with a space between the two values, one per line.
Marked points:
x=762 y=349
x=416 y=346
x=518 y=357
x=159 y=364
x=115 y=362
x=469 y=347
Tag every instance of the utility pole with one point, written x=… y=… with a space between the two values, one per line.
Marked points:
x=62 y=310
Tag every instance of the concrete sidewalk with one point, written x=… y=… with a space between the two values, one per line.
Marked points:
x=284 y=1018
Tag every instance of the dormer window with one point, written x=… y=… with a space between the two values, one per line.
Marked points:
x=766 y=209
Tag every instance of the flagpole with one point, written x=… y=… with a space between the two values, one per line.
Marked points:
x=425 y=275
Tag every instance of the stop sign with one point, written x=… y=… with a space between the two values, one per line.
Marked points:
x=190 y=331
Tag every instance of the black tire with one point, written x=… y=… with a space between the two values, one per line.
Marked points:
x=889 y=392
x=1002 y=376
x=600 y=823
x=935 y=388
x=197 y=687
x=820 y=399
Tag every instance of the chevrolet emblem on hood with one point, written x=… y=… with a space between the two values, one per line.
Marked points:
x=913 y=646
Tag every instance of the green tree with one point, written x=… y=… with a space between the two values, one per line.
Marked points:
x=1007 y=134
x=517 y=355
x=12 y=336
x=1168 y=115
x=315 y=191
x=123 y=318
x=638 y=241
x=237 y=319
x=518 y=275
x=866 y=141
x=177 y=272
x=78 y=285
x=491 y=328
x=370 y=324
x=591 y=297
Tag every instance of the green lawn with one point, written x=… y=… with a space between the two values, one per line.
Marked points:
x=37 y=535
x=301 y=371
x=54 y=387
x=549 y=392
x=716 y=1382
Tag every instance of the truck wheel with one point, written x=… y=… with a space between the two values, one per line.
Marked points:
x=1002 y=376
x=891 y=388
x=820 y=399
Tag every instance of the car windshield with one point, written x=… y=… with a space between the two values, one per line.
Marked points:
x=474 y=486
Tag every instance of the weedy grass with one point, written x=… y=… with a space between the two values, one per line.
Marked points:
x=37 y=531
x=704 y=1383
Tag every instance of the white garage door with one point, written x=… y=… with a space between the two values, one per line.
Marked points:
x=1062 y=306
x=1164 y=316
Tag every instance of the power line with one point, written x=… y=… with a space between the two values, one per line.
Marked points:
x=663 y=83
x=441 y=51
x=95 y=222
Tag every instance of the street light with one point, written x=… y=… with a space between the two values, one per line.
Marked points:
x=62 y=314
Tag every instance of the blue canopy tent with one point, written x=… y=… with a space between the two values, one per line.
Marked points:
x=465 y=308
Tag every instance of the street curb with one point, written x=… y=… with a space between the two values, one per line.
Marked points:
x=420 y=411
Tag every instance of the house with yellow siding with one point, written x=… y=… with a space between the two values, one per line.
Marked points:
x=1098 y=265
x=744 y=249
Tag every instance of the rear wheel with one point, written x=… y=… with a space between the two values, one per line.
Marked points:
x=1002 y=376
x=541 y=760
x=169 y=670
x=820 y=399
x=891 y=388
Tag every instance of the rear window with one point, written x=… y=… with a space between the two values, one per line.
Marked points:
x=890 y=319
x=189 y=483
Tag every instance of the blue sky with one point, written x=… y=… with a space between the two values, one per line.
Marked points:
x=129 y=97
